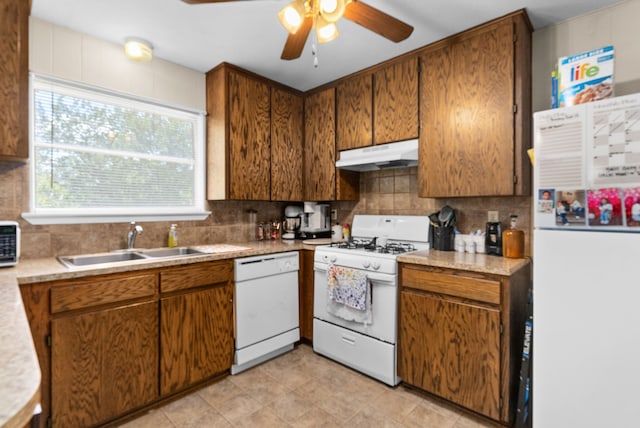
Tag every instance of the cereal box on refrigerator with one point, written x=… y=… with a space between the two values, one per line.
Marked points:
x=585 y=77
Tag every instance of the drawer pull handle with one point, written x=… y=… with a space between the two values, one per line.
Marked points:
x=349 y=340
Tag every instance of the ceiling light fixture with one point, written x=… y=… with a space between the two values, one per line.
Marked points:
x=138 y=49
x=324 y=13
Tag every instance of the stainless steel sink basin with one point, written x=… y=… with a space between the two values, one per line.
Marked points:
x=127 y=255
x=170 y=252
x=96 y=259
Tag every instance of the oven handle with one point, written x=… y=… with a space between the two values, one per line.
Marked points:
x=375 y=278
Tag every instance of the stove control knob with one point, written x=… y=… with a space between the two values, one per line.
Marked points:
x=333 y=259
x=366 y=264
x=375 y=265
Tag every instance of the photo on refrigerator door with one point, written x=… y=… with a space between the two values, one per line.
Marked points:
x=605 y=207
x=632 y=206
x=545 y=200
x=570 y=207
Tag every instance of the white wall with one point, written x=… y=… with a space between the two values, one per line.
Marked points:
x=615 y=25
x=59 y=52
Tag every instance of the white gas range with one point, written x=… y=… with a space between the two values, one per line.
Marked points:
x=365 y=339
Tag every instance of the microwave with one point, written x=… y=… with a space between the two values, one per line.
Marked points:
x=9 y=243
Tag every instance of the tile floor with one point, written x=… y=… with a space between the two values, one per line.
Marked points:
x=303 y=389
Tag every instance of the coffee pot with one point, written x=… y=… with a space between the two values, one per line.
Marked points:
x=292 y=221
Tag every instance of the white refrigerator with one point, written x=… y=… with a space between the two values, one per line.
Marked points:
x=586 y=266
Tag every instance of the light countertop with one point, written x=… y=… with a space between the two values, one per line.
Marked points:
x=19 y=368
x=475 y=262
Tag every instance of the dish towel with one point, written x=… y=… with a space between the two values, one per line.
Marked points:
x=349 y=294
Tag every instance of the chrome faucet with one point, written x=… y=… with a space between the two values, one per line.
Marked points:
x=134 y=230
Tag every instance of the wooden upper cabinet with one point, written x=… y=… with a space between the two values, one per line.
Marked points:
x=254 y=137
x=286 y=145
x=395 y=94
x=320 y=146
x=249 y=138
x=14 y=80
x=475 y=107
x=354 y=118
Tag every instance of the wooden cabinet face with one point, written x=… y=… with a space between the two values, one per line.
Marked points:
x=103 y=364
x=286 y=146
x=306 y=294
x=249 y=136
x=320 y=148
x=196 y=337
x=395 y=115
x=466 y=109
x=451 y=349
x=14 y=79
x=354 y=117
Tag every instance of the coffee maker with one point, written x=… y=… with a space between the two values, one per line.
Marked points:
x=316 y=221
x=292 y=221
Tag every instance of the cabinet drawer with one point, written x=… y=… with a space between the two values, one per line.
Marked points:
x=484 y=290
x=100 y=291
x=192 y=276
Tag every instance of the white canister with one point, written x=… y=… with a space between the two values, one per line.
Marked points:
x=479 y=240
x=336 y=233
x=459 y=242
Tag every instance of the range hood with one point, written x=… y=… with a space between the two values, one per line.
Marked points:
x=393 y=155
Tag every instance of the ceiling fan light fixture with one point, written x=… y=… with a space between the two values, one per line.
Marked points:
x=292 y=15
x=325 y=31
x=138 y=49
x=332 y=10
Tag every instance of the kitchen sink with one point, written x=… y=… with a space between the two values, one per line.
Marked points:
x=96 y=259
x=170 y=252
x=127 y=256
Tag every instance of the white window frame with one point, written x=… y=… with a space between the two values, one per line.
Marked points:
x=117 y=215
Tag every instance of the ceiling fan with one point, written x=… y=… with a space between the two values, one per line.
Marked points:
x=300 y=16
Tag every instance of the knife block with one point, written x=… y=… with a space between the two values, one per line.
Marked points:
x=441 y=238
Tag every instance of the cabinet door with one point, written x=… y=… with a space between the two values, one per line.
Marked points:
x=467 y=117
x=320 y=148
x=103 y=364
x=395 y=94
x=14 y=79
x=249 y=137
x=196 y=337
x=286 y=146
x=306 y=294
x=451 y=349
x=354 y=117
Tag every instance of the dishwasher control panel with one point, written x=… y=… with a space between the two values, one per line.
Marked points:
x=265 y=265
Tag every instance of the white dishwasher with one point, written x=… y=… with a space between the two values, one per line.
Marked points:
x=266 y=308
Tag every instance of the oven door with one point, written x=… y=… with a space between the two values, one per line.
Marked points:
x=384 y=304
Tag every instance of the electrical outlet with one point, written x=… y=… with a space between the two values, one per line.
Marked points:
x=492 y=216
x=334 y=215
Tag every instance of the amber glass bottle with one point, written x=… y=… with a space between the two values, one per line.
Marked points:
x=513 y=240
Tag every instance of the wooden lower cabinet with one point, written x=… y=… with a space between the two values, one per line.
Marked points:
x=103 y=364
x=459 y=336
x=196 y=337
x=305 y=293
x=112 y=345
x=452 y=350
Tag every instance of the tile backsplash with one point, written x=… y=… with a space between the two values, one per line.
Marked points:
x=395 y=191
x=381 y=192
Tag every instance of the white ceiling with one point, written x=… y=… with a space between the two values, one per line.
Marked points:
x=247 y=33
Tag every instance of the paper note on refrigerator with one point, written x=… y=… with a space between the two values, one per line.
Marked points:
x=615 y=151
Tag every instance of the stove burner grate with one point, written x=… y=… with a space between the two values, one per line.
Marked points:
x=373 y=246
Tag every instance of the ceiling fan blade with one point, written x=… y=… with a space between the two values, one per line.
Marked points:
x=295 y=42
x=377 y=21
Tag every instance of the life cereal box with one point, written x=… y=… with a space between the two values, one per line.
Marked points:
x=585 y=77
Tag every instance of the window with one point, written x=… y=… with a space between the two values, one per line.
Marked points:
x=98 y=156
